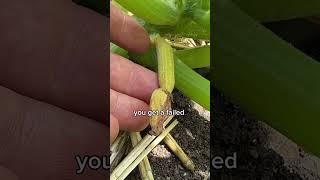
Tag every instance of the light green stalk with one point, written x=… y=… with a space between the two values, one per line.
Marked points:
x=139 y=152
x=198 y=57
x=144 y=166
x=165 y=64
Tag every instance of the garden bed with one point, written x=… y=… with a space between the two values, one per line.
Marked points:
x=193 y=135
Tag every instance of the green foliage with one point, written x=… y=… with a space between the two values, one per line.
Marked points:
x=182 y=18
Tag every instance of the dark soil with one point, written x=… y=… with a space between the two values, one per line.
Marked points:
x=234 y=132
x=193 y=135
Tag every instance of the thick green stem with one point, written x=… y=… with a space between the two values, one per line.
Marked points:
x=198 y=57
x=194 y=58
x=177 y=21
x=266 y=75
x=192 y=84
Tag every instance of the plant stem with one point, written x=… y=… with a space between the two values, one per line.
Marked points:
x=118 y=149
x=194 y=58
x=177 y=150
x=165 y=64
x=144 y=166
x=192 y=85
x=118 y=50
x=267 y=76
x=143 y=154
x=125 y=163
x=198 y=57
x=187 y=81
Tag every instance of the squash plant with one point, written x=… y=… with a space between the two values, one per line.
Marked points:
x=175 y=64
x=176 y=18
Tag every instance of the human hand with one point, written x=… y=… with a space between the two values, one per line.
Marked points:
x=131 y=85
x=53 y=84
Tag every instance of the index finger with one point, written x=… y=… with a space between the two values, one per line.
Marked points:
x=126 y=32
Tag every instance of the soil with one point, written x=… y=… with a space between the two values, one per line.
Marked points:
x=193 y=135
x=235 y=132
